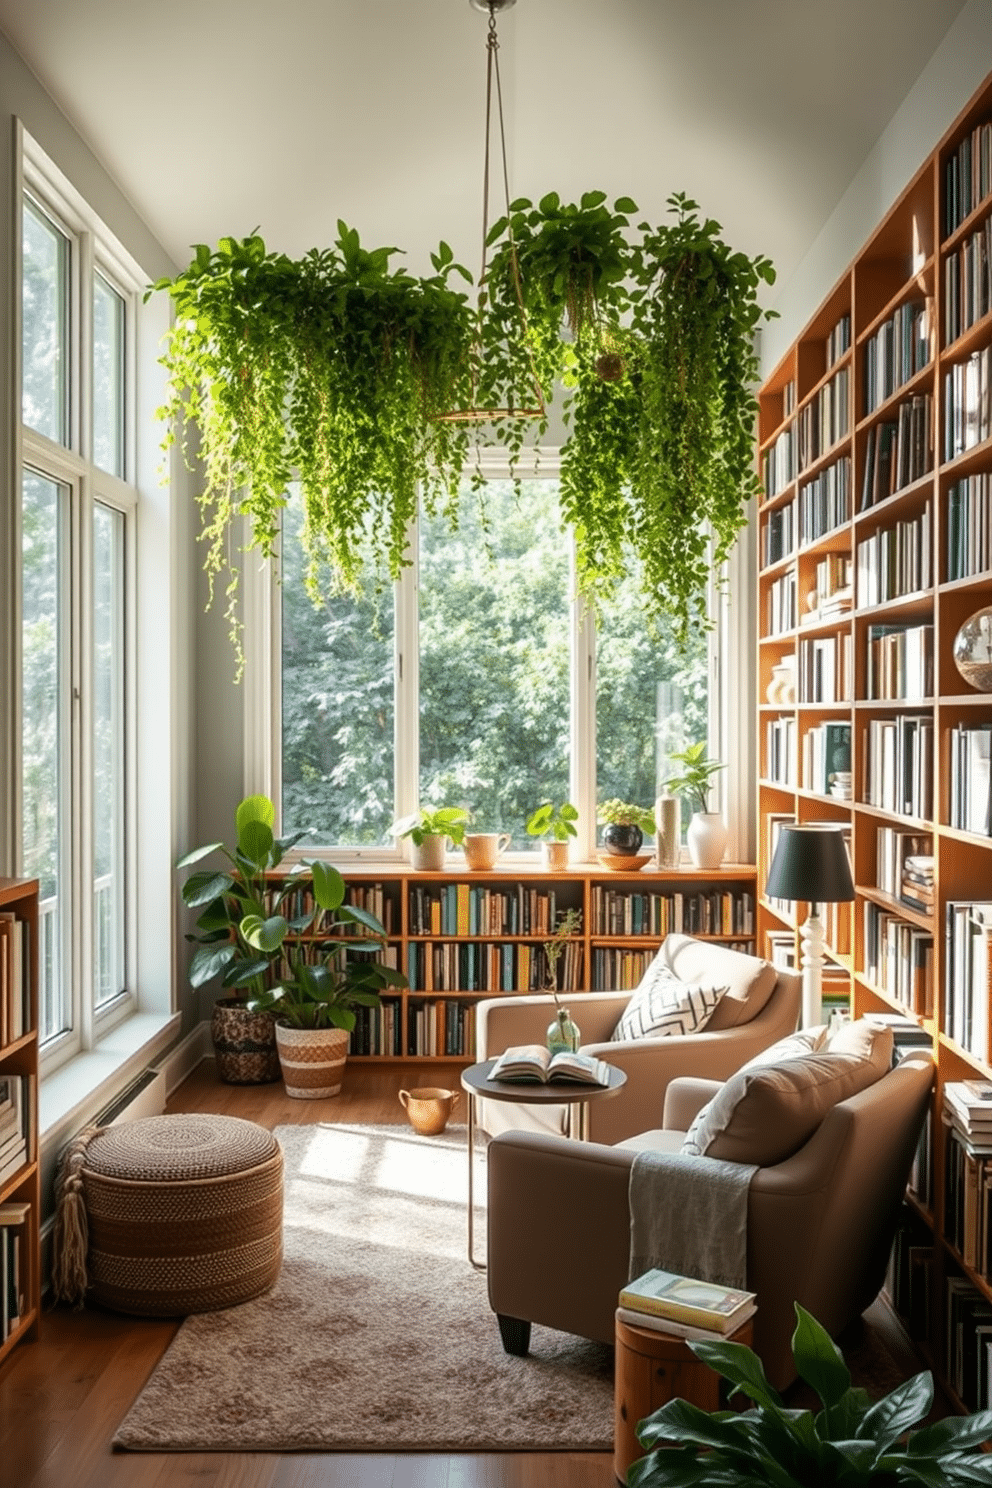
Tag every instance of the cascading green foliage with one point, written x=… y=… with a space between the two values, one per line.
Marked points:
x=658 y=378
x=852 y=1442
x=337 y=368
x=333 y=368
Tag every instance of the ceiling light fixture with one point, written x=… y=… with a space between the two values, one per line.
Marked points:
x=494 y=92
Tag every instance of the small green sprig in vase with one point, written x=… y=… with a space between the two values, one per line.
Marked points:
x=563 y=1035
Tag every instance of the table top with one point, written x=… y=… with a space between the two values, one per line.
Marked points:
x=476 y=1079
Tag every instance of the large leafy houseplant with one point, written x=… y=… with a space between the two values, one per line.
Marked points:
x=850 y=1443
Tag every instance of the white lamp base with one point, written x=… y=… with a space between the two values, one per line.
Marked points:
x=812 y=963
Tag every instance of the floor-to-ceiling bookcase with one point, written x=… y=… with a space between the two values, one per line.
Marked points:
x=874 y=547
x=20 y=1272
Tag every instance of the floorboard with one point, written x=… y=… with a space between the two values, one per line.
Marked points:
x=62 y=1398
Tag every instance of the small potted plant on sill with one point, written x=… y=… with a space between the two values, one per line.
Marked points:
x=228 y=899
x=852 y=1441
x=314 y=1007
x=429 y=830
x=555 y=825
x=706 y=836
x=625 y=826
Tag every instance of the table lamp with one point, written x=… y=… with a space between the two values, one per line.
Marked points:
x=810 y=863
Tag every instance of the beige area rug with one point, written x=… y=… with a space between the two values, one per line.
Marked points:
x=378 y=1335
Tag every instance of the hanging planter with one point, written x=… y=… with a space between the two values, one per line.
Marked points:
x=332 y=369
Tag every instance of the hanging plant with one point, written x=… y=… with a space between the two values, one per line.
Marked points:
x=657 y=368
x=332 y=369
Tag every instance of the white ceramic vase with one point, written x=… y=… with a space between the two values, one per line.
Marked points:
x=706 y=839
x=428 y=856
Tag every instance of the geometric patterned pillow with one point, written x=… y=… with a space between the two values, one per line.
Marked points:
x=662 y=1006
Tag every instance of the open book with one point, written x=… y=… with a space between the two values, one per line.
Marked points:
x=532 y=1064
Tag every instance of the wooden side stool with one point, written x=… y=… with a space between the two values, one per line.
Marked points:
x=652 y=1368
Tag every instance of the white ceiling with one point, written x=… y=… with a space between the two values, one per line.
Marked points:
x=220 y=116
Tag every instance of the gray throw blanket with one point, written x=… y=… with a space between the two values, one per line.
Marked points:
x=689 y=1215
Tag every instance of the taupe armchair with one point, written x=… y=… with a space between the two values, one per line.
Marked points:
x=760 y=1006
x=820 y=1224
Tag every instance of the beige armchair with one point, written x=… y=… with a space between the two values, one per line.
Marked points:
x=761 y=1005
x=820 y=1224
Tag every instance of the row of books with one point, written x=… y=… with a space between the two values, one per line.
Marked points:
x=904 y=866
x=826 y=669
x=895 y=560
x=968 y=946
x=15 y=985
x=713 y=912
x=778 y=536
x=898 y=958
x=780 y=751
x=967 y=176
x=898 y=774
x=969 y=526
x=898 y=451
x=299 y=904
x=779 y=464
x=438 y=1028
x=825 y=501
x=827 y=760
x=838 y=341
x=782 y=603
x=968 y=403
x=16 y=1135
x=619 y=970
x=971 y=778
x=968 y=282
x=909 y=1275
x=899 y=348
x=900 y=662
x=825 y=419
x=378 y=1030
x=834 y=594
x=475 y=966
x=470 y=909
x=13 y=1265
x=968 y=1343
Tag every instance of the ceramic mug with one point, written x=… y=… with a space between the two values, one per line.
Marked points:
x=484 y=849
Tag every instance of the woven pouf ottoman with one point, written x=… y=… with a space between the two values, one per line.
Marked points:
x=169 y=1215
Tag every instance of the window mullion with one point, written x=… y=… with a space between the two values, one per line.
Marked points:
x=406 y=751
x=82 y=755
x=582 y=696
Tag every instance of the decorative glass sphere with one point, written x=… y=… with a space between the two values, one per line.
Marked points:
x=973 y=650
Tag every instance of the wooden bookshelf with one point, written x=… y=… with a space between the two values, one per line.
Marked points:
x=904 y=301
x=467 y=955
x=20 y=1304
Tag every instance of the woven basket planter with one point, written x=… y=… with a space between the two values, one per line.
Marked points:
x=312 y=1060
x=170 y=1215
x=244 y=1043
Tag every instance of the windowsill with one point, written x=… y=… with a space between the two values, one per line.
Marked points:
x=74 y=1094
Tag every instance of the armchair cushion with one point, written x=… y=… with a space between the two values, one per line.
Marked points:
x=662 y=1006
x=764 y=1114
x=794 y=1046
x=749 y=981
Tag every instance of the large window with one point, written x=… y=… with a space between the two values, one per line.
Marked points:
x=76 y=511
x=478 y=682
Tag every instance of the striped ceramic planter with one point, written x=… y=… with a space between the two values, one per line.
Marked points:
x=312 y=1060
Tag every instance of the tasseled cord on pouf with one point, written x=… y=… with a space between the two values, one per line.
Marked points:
x=70 y=1241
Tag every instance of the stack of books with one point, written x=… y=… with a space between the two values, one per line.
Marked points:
x=916 y=887
x=684 y=1306
x=968 y=1179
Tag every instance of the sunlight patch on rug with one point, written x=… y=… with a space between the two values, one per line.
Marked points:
x=378 y=1335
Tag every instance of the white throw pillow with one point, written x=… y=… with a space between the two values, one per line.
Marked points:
x=661 y=1006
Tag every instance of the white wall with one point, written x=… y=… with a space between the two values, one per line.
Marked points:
x=956 y=70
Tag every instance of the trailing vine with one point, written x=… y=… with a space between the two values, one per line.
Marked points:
x=343 y=372
x=333 y=369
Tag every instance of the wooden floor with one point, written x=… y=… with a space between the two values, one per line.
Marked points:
x=62 y=1399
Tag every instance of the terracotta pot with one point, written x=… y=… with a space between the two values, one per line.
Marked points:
x=244 y=1043
x=312 y=1060
x=556 y=856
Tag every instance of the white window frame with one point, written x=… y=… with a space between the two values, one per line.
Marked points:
x=731 y=716
x=92 y=248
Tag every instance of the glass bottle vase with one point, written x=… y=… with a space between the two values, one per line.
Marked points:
x=563 y=1034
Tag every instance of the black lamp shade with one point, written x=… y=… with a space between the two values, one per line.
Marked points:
x=811 y=864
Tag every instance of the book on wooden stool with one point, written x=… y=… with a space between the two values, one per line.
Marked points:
x=685 y=1299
